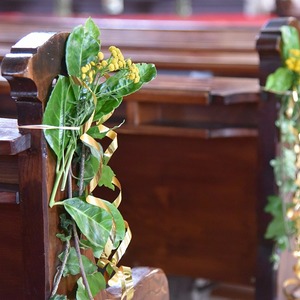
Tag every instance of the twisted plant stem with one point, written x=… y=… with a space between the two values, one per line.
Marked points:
x=82 y=271
x=60 y=272
x=75 y=233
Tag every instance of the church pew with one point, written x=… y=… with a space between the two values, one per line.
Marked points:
x=174 y=122
x=223 y=49
x=28 y=245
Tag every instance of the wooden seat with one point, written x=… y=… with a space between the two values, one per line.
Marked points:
x=28 y=245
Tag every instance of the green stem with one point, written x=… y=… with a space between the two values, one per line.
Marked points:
x=59 y=174
x=81 y=170
x=82 y=271
x=67 y=167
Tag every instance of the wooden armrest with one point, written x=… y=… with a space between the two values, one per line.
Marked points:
x=11 y=140
x=149 y=283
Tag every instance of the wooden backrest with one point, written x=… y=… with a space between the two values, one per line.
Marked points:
x=224 y=49
x=30 y=69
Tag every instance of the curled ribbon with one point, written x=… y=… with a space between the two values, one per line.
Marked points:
x=291 y=289
x=122 y=274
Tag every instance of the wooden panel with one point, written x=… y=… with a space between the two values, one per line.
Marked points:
x=11 y=140
x=9 y=197
x=9 y=169
x=191 y=204
x=11 y=263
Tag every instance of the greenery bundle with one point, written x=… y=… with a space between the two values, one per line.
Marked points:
x=284 y=228
x=77 y=108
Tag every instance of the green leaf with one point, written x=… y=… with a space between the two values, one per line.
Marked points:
x=290 y=40
x=72 y=266
x=94 y=222
x=111 y=92
x=277 y=228
x=82 y=46
x=119 y=85
x=97 y=251
x=96 y=283
x=280 y=81
x=93 y=162
x=118 y=223
x=63 y=237
x=107 y=176
x=58 y=108
x=96 y=134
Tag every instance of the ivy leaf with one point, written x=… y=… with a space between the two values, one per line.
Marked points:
x=280 y=81
x=290 y=40
x=94 y=222
x=97 y=251
x=107 y=176
x=72 y=266
x=57 y=109
x=276 y=229
x=96 y=283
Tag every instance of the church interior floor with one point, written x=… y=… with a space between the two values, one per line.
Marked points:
x=182 y=288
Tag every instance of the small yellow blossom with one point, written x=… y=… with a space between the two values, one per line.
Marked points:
x=100 y=55
x=111 y=67
x=293 y=62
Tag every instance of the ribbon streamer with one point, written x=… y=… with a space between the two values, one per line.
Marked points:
x=41 y=126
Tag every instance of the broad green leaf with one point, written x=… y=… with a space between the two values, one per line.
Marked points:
x=280 y=81
x=106 y=105
x=82 y=46
x=111 y=92
x=290 y=40
x=96 y=283
x=94 y=222
x=72 y=265
x=93 y=162
x=107 y=176
x=58 y=108
x=118 y=222
x=119 y=85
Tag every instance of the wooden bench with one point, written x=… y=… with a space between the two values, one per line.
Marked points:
x=28 y=244
x=223 y=49
x=191 y=145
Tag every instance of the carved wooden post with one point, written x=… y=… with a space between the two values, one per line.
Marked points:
x=30 y=69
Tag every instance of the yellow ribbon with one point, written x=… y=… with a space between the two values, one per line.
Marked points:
x=290 y=287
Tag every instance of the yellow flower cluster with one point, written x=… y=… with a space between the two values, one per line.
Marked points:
x=114 y=63
x=293 y=62
x=133 y=71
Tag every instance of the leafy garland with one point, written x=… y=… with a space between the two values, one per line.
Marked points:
x=77 y=108
x=284 y=228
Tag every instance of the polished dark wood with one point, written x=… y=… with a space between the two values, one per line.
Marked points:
x=171 y=44
x=193 y=151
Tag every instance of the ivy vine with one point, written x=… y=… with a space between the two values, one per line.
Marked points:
x=284 y=228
